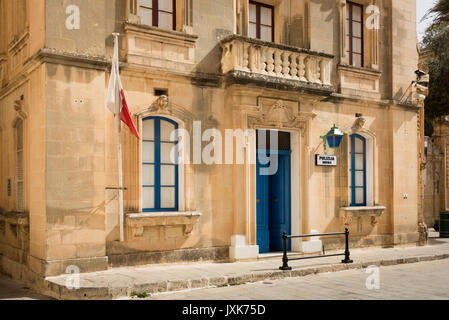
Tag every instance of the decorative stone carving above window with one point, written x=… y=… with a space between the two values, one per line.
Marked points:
x=278 y=114
x=137 y=222
x=163 y=106
x=347 y=214
x=358 y=124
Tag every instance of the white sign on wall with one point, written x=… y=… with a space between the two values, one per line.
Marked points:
x=326 y=160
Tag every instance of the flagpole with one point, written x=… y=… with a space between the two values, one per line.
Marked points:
x=119 y=144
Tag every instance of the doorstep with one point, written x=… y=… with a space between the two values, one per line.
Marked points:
x=270 y=255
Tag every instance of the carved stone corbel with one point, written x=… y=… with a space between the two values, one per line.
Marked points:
x=346 y=219
x=19 y=107
x=137 y=232
x=188 y=228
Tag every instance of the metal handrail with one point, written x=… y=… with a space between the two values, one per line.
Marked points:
x=285 y=258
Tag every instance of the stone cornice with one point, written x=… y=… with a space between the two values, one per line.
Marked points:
x=365 y=71
x=73 y=59
x=19 y=40
x=387 y=103
x=237 y=77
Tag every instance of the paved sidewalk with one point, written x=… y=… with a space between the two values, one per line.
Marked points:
x=414 y=281
x=15 y=290
x=124 y=282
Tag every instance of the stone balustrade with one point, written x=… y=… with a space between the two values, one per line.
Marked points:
x=275 y=60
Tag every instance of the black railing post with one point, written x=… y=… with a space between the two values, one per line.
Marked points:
x=285 y=266
x=347 y=253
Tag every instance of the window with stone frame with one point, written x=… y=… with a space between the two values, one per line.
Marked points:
x=158 y=13
x=358 y=167
x=358 y=170
x=354 y=34
x=19 y=166
x=261 y=21
x=159 y=169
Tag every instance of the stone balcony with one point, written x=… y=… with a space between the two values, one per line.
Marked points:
x=275 y=65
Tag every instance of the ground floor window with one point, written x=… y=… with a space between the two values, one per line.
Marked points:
x=159 y=165
x=358 y=170
x=19 y=166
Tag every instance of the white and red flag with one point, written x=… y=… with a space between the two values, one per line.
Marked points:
x=115 y=92
x=116 y=102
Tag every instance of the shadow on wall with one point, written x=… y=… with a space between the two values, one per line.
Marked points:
x=327 y=6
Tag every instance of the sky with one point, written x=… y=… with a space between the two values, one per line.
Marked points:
x=422 y=6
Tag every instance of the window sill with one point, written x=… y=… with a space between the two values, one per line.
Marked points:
x=137 y=222
x=150 y=30
x=346 y=214
x=360 y=70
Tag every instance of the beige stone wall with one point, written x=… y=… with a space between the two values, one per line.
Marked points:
x=71 y=142
x=75 y=172
x=22 y=97
x=404 y=56
x=98 y=19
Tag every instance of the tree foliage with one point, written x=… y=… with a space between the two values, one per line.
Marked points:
x=441 y=12
x=436 y=41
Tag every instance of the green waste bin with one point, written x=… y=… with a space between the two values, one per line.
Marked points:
x=444 y=224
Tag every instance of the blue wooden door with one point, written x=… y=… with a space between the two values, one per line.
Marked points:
x=273 y=204
x=280 y=204
x=262 y=209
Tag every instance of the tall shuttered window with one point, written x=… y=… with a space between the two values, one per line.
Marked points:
x=261 y=21
x=354 y=33
x=159 y=165
x=158 y=13
x=358 y=170
x=19 y=166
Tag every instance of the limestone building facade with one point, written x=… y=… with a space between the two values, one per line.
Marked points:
x=296 y=66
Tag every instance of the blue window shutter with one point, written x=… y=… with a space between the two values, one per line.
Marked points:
x=157 y=167
x=354 y=186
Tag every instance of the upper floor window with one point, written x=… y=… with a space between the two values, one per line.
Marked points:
x=158 y=13
x=19 y=166
x=358 y=170
x=354 y=33
x=261 y=21
x=159 y=169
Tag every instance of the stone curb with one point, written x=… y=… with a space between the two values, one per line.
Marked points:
x=105 y=293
